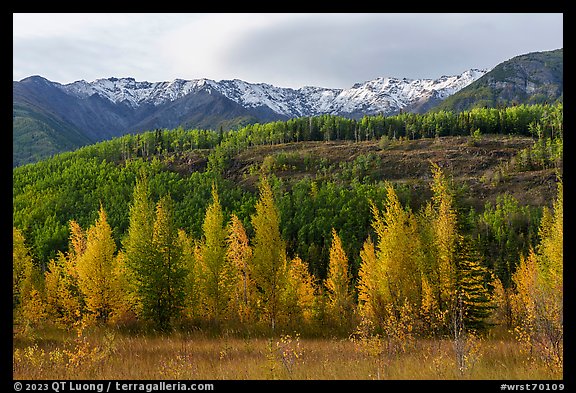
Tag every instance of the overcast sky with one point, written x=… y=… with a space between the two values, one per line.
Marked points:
x=287 y=50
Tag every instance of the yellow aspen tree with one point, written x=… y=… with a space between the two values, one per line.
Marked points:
x=538 y=296
x=27 y=300
x=300 y=294
x=238 y=254
x=445 y=237
x=551 y=248
x=77 y=240
x=215 y=280
x=95 y=267
x=338 y=283
x=269 y=255
x=63 y=299
x=123 y=287
x=399 y=254
x=501 y=298
x=429 y=310
x=370 y=295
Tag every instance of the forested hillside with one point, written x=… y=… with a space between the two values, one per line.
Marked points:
x=410 y=225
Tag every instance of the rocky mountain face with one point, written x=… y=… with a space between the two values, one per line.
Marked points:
x=381 y=95
x=526 y=79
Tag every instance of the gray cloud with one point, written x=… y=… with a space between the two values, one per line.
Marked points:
x=339 y=53
x=331 y=50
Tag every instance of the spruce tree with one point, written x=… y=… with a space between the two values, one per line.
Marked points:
x=169 y=277
x=474 y=285
x=154 y=258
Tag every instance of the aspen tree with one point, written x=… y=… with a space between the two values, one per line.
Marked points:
x=300 y=292
x=137 y=244
x=22 y=268
x=214 y=272
x=538 y=296
x=95 y=268
x=168 y=275
x=27 y=300
x=445 y=238
x=192 y=299
x=399 y=255
x=269 y=255
x=64 y=300
x=369 y=280
x=238 y=255
x=338 y=282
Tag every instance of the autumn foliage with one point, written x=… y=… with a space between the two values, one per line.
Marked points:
x=418 y=275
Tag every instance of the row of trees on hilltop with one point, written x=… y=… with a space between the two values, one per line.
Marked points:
x=417 y=274
x=538 y=120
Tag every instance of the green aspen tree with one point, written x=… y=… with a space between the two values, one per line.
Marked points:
x=215 y=280
x=139 y=252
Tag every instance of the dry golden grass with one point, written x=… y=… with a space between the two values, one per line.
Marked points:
x=105 y=355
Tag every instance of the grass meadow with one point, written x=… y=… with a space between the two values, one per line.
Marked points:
x=112 y=354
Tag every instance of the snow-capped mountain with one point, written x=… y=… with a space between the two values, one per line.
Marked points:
x=381 y=95
x=82 y=112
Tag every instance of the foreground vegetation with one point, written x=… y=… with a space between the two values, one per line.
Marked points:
x=105 y=354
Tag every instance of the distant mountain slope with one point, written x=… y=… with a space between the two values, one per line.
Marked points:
x=527 y=79
x=83 y=112
x=49 y=117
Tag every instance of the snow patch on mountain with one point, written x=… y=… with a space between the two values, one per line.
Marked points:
x=380 y=95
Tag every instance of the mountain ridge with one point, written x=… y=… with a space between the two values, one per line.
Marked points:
x=67 y=116
x=82 y=112
x=388 y=93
